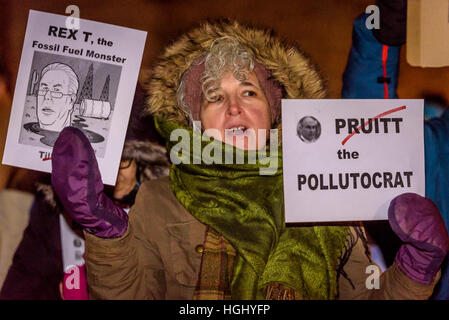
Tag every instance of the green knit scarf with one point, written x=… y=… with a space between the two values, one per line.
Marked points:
x=247 y=208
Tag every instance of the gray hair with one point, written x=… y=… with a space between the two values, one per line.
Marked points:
x=73 y=78
x=226 y=55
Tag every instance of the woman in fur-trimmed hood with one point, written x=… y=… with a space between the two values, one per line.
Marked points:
x=213 y=229
x=285 y=64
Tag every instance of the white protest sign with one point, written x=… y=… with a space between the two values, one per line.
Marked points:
x=84 y=77
x=72 y=245
x=345 y=160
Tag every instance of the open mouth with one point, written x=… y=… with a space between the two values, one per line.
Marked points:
x=236 y=130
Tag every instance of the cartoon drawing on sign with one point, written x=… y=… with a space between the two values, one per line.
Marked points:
x=308 y=129
x=62 y=93
x=56 y=96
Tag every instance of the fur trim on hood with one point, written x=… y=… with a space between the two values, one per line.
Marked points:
x=288 y=65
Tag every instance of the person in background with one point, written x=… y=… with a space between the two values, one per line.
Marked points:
x=15 y=203
x=372 y=72
x=5 y=110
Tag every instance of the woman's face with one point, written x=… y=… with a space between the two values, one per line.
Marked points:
x=241 y=115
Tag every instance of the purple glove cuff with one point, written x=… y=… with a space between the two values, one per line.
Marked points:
x=112 y=220
x=77 y=182
x=417 y=222
x=420 y=266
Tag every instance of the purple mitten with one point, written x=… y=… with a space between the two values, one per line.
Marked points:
x=417 y=222
x=77 y=182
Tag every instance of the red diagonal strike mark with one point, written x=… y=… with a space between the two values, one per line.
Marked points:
x=367 y=122
x=46 y=159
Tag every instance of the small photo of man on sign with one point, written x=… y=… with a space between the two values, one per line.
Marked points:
x=308 y=129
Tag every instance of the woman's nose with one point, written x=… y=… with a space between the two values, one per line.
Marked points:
x=233 y=107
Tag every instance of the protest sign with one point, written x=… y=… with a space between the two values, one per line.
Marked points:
x=345 y=160
x=72 y=245
x=83 y=77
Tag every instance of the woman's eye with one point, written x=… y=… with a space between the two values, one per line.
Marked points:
x=249 y=93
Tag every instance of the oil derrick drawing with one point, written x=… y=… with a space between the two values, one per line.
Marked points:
x=86 y=90
x=33 y=84
x=105 y=92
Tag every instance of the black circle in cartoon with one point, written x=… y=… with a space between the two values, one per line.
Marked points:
x=308 y=129
x=49 y=137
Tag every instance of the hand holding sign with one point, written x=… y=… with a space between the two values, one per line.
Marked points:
x=417 y=222
x=77 y=182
